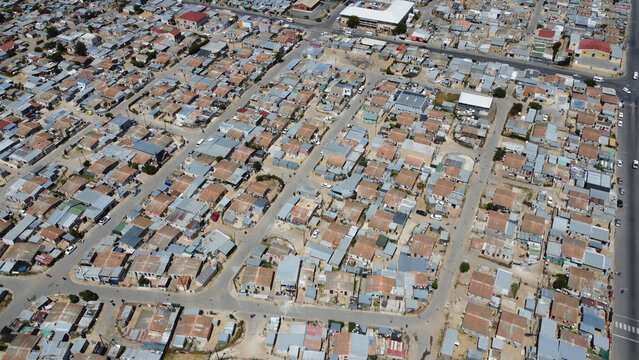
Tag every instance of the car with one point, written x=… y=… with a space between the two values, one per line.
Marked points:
x=622 y=191
x=620 y=105
x=104 y=220
x=315 y=233
x=89 y=112
x=619 y=203
x=199 y=142
x=550 y=201
x=70 y=249
x=626 y=90
x=619 y=181
x=635 y=75
x=421 y=212
x=620 y=115
x=576 y=75
x=436 y=217
x=620 y=123
x=635 y=164
x=326 y=185
x=322 y=153
x=619 y=163
x=215 y=217
x=617 y=222
x=598 y=78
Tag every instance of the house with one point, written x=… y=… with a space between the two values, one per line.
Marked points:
x=481 y=285
x=477 y=320
x=565 y=309
x=192 y=20
x=194 y=327
x=512 y=328
x=257 y=280
x=305 y=5
x=339 y=283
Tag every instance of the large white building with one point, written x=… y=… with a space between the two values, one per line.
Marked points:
x=379 y=18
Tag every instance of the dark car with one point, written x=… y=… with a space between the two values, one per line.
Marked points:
x=617 y=222
x=215 y=216
x=421 y=212
x=619 y=181
x=619 y=203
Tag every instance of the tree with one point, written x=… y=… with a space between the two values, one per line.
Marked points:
x=500 y=152
x=535 y=105
x=279 y=56
x=56 y=56
x=149 y=169
x=515 y=109
x=257 y=166
x=464 y=267
x=142 y=281
x=352 y=22
x=434 y=285
x=80 y=49
x=52 y=32
x=555 y=49
x=590 y=82
x=86 y=163
x=88 y=295
x=38 y=49
x=561 y=282
x=74 y=298
x=400 y=28
x=137 y=8
x=59 y=47
x=499 y=92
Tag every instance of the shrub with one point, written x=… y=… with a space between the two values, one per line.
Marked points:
x=561 y=282
x=499 y=93
x=464 y=267
x=74 y=298
x=88 y=295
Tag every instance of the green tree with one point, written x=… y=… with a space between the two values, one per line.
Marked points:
x=535 y=105
x=434 y=285
x=499 y=92
x=88 y=295
x=352 y=22
x=464 y=267
x=142 y=281
x=74 y=298
x=555 y=49
x=137 y=8
x=515 y=109
x=500 y=152
x=561 y=282
x=80 y=49
x=590 y=82
x=257 y=166
x=52 y=32
x=86 y=163
x=149 y=169
x=400 y=29
x=5 y=331
x=56 y=56
x=59 y=47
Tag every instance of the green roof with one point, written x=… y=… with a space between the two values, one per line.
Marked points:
x=118 y=229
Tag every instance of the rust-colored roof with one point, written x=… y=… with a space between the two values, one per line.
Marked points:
x=533 y=224
x=423 y=244
x=504 y=197
x=478 y=319
x=481 y=285
x=512 y=327
x=565 y=308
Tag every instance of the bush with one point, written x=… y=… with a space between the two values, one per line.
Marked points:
x=74 y=298
x=257 y=166
x=464 y=267
x=149 y=169
x=400 y=28
x=561 y=282
x=434 y=285
x=500 y=153
x=86 y=163
x=590 y=82
x=88 y=295
x=5 y=331
x=499 y=93
x=80 y=49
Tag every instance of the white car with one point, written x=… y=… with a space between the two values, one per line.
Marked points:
x=550 y=201
x=70 y=249
x=635 y=164
x=626 y=90
x=635 y=75
x=620 y=123
x=104 y=220
x=621 y=115
x=619 y=163
x=436 y=217
x=315 y=233
x=620 y=105
x=598 y=78
x=326 y=185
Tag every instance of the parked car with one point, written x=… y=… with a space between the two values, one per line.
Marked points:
x=619 y=163
x=635 y=164
x=315 y=233
x=619 y=181
x=620 y=123
x=215 y=217
x=104 y=220
x=622 y=191
x=70 y=249
x=617 y=222
x=421 y=212
x=326 y=185
x=635 y=75
x=436 y=217
x=619 y=203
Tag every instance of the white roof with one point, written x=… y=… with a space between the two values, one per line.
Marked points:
x=480 y=101
x=373 y=42
x=394 y=14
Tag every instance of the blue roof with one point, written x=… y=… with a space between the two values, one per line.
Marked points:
x=147 y=147
x=409 y=263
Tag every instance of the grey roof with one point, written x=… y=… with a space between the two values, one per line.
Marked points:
x=409 y=263
x=503 y=279
x=288 y=270
x=448 y=345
